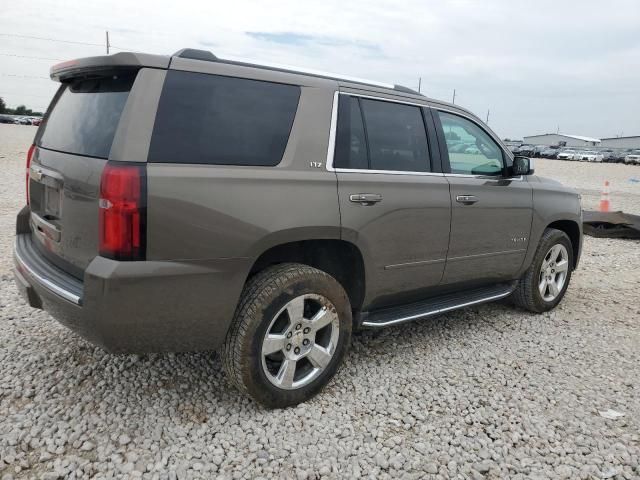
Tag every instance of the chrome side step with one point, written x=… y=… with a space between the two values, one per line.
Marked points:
x=434 y=306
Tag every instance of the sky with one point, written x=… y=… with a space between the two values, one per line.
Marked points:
x=536 y=66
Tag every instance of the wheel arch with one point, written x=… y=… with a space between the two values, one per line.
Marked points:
x=339 y=258
x=572 y=229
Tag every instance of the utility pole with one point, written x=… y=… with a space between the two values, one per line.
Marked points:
x=419 y=83
x=487 y=122
x=108 y=45
x=454 y=96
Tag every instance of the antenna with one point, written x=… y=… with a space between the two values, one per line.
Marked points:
x=454 y=96
x=108 y=44
x=419 y=83
x=487 y=122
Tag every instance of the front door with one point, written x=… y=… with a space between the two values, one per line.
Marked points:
x=392 y=205
x=490 y=214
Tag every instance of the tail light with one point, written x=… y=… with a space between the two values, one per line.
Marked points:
x=29 y=155
x=123 y=212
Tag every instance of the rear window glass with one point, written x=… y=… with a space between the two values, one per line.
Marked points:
x=85 y=116
x=220 y=120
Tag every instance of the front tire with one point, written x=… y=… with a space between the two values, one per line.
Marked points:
x=289 y=335
x=544 y=284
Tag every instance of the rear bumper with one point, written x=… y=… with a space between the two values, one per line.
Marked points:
x=136 y=307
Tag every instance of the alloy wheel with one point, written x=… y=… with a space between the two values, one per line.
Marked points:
x=300 y=341
x=553 y=272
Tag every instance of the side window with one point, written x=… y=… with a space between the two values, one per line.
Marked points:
x=471 y=150
x=397 y=136
x=221 y=120
x=351 y=147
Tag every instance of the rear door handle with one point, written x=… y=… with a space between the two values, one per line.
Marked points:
x=466 y=199
x=365 y=198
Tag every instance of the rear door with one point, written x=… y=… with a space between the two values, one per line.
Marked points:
x=394 y=204
x=72 y=147
x=490 y=214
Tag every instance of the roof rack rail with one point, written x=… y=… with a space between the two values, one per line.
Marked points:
x=197 y=54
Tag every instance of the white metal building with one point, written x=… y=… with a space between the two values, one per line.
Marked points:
x=562 y=139
x=621 y=142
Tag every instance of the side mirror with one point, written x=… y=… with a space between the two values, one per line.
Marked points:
x=522 y=166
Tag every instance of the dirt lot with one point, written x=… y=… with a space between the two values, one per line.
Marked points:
x=485 y=392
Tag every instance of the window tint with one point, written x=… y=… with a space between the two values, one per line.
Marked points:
x=222 y=120
x=351 y=148
x=471 y=150
x=85 y=116
x=396 y=135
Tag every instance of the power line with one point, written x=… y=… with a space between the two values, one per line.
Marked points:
x=51 y=39
x=63 y=41
x=28 y=56
x=23 y=76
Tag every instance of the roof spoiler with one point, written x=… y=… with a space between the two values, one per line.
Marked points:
x=90 y=66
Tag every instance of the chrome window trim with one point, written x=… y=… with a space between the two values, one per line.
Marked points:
x=383 y=99
x=334 y=125
x=483 y=177
x=388 y=172
x=331 y=148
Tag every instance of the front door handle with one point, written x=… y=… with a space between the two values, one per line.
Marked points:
x=466 y=199
x=365 y=198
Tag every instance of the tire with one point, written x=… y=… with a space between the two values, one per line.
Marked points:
x=528 y=293
x=269 y=302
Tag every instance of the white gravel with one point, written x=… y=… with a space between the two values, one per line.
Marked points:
x=485 y=392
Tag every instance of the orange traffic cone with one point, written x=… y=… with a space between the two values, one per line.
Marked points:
x=605 y=205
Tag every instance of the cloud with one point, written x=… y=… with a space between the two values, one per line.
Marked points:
x=534 y=63
x=287 y=38
x=304 y=40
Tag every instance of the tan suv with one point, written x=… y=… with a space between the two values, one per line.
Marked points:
x=194 y=203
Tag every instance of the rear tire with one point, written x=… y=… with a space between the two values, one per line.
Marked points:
x=544 y=284
x=290 y=332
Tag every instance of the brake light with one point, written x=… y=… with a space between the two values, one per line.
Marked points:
x=29 y=155
x=123 y=212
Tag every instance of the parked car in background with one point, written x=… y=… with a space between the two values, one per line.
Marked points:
x=537 y=150
x=549 y=152
x=6 y=119
x=567 y=155
x=606 y=155
x=527 y=150
x=36 y=121
x=618 y=156
x=590 y=156
x=633 y=158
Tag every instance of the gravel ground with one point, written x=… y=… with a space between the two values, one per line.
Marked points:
x=485 y=392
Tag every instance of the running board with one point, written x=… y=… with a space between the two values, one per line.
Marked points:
x=436 y=305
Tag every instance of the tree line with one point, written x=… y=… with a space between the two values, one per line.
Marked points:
x=19 y=110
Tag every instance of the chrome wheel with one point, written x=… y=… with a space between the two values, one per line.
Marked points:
x=300 y=341
x=553 y=272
